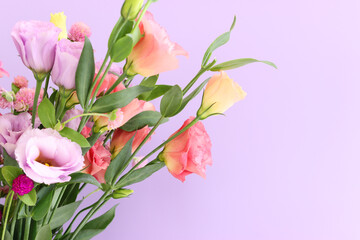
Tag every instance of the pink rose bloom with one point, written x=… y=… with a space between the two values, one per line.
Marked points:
x=154 y=53
x=73 y=124
x=46 y=157
x=121 y=137
x=2 y=71
x=36 y=42
x=78 y=31
x=21 y=82
x=97 y=160
x=25 y=99
x=188 y=153
x=11 y=129
x=66 y=61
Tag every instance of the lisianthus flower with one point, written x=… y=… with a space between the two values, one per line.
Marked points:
x=21 y=82
x=154 y=53
x=73 y=124
x=2 y=71
x=97 y=160
x=36 y=42
x=78 y=31
x=11 y=128
x=189 y=152
x=46 y=157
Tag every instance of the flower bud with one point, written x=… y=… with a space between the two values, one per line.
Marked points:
x=59 y=20
x=131 y=9
x=220 y=94
x=122 y=193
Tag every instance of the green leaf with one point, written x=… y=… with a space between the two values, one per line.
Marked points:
x=193 y=94
x=53 y=96
x=171 y=101
x=120 y=29
x=148 y=82
x=158 y=91
x=74 y=136
x=119 y=163
x=7 y=234
x=146 y=118
x=14 y=88
x=63 y=214
x=122 y=48
x=29 y=199
x=220 y=41
x=10 y=173
x=44 y=233
x=238 y=63
x=42 y=207
x=80 y=177
x=116 y=100
x=140 y=174
x=85 y=73
x=96 y=225
x=9 y=161
x=46 y=113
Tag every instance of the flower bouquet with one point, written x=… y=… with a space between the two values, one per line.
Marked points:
x=86 y=122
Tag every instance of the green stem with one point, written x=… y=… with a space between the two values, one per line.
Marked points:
x=89 y=215
x=36 y=97
x=82 y=187
x=118 y=81
x=108 y=136
x=56 y=204
x=27 y=225
x=8 y=201
x=95 y=191
x=13 y=221
x=76 y=216
x=147 y=5
x=46 y=85
x=192 y=123
x=128 y=81
x=85 y=114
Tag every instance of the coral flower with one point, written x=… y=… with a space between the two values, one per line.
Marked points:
x=21 y=82
x=78 y=31
x=2 y=71
x=154 y=53
x=46 y=157
x=97 y=160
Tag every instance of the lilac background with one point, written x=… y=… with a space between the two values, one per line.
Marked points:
x=286 y=159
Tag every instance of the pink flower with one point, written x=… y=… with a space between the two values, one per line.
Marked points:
x=121 y=137
x=97 y=160
x=11 y=128
x=21 y=82
x=66 y=61
x=154 y=53
x=46 y=157
x=109 y=80
x=2 y=71
x=188 y=153
x=25 y=99
x=73 y=124
x=22 y=185
x=36 y=41
x=78 y=31
x=137 y=160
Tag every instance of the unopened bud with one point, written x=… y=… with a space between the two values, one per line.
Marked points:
x=122 y=193
x=131 y=9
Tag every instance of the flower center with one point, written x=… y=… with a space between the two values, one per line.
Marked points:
x=44 y=160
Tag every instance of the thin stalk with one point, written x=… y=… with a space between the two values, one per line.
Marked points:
x=82 y=187
x=108 y=136
x=27 y=225
x=36 y=97
x=61 y=106
x=89 y=215
x=100 y=83
x=76 y=216
x=95 y=191
x=56 y=204
x=46 y=85
x=128 y=81
x=85 y=114
x=147 y=5
x=118 y=81
x=8 y=200
x=13 y=221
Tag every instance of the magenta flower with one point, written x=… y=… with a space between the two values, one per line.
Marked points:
x=36 y=42
x=11 y=129
x=78 y=31
x=46 y=157
x=66 y=61
x=2 y=71
x=22 y=185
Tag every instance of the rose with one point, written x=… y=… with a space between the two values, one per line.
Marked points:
x=36 y=42
x=154 y=53
x=97 y=160
x=66 y=62
x=121 y=137
x=220 y=93
x=46 y=157
x=11 y=129
x=189 y=152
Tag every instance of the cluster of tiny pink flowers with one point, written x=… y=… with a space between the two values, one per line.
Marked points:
x=25 y=99
x=20 y=82
x=4 y=103
x=78 y=31
x=22 y=185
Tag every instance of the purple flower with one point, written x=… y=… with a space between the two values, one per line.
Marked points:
x=11 y=128
x=73 y=124
x=36 y=42
x=66 y=61
x=22 y=185
x=46 y=157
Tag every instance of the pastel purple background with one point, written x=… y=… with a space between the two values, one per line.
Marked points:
x=286 y=159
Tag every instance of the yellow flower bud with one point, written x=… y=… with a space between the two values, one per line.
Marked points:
x=59 y=20
x=131 y=9
x=220 y=94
